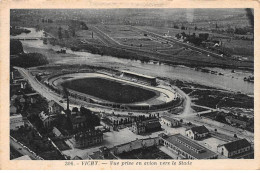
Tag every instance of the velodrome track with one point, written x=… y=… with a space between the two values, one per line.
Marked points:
x=164 y=96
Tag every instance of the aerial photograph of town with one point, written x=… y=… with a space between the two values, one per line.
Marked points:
x=132 y=83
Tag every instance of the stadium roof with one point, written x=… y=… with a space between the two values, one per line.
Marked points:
x=137 y=74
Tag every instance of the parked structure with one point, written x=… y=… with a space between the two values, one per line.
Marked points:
x=197 y=132
x=235 y=149
x=185 y=147
x=170 y=121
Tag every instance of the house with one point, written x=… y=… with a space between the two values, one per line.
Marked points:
x=185 y=147
x=145 y=126
x=138 y=128
x=32 y=97
x=87 y=138
x=47 y=120
x=170 y=121
x=16 y=121
x=197 y=132
x=54 y=108
x=235 y=149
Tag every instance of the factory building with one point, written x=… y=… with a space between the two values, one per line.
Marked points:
x=185 y=147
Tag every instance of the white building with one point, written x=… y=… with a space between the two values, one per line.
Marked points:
x=46 y=119
x=170 y=121
x=235 y=149
x=197 y=132
x=16 y=121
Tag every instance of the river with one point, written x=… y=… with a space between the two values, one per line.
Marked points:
x=230 y=81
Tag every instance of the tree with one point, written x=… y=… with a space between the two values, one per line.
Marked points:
x=60 y=33
x=235 y=135
x=66 y=33
x=16 y=47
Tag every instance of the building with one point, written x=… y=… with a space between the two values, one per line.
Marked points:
x=106 y=123
x=87 y=138
x=235 y=149
x=16 y=121
x=77 y=119
x=47 y=120
x=197 y=132
x=186 y=148
x=54 y=108
x=138 y=128
x=237 y=122
x=32 y=97
x=150 y=125
x=170 y=121
x=140 y=77
x=102 y=153
x=56 y=132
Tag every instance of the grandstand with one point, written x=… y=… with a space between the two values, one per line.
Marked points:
x=140 y=77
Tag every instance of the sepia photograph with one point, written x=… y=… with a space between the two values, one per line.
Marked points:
x=114 y=84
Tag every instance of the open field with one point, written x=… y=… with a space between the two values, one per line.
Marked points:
x=109 y=90
x=130 y=36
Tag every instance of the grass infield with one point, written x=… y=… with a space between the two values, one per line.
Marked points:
x=109 y=90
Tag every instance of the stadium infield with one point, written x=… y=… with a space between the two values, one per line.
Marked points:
x=108 y=87
x=109 y=90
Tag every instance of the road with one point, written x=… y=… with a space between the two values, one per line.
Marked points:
x=187 y=114
x=23 y=150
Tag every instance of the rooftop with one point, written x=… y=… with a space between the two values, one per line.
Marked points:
x=177 y=138
x=137 y=74
x=169 y=119
x=16 y=116
x=199 y=129
x=236 y=145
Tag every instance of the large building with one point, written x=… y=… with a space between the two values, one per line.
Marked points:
x=54 y=108
x=235 y=149
x=170 y=121
x=87 y=138
x=145 y=126
x=197 y=132
x=140 y=77
x=185 y=147
x=46 y=119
